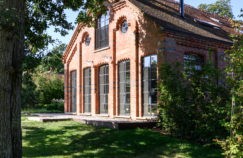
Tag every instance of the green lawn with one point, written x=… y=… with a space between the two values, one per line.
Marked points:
x=72 y=139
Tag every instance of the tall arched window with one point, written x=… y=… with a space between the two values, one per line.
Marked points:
x=149 y=81
x=87 y=90
x=73 y=96
x=124 y=87
x=102 y=31
x=104 y=88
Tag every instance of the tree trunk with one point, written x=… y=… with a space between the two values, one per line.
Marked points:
x=11 y=55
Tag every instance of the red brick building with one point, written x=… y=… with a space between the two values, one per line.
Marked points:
x=111 y=69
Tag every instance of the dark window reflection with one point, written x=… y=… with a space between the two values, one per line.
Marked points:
x=87 y=90
x=149 y=78
x=124 y=88
x=104 y=88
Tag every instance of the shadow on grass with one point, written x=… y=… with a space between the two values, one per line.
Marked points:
x=75 y=140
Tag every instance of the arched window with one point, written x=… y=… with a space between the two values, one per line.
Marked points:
x=87 y=90
x=149 y=81
x=102 y=31
x=124 y=87
x=73 y=96
x=104 y=88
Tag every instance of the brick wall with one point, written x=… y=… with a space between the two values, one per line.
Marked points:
x=144 y=37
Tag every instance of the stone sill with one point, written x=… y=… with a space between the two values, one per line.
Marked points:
x=147 y=118
x=85 y=114
x=71 y=113
x=126 y=117
x=101 y=49
x=102 y=115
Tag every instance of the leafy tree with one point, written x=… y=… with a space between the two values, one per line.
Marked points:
x=29 y=92
x=30 y=62
x=49 y=87
x=33 y=67
x=22 y=30
x=53 y=60
x=220 y=7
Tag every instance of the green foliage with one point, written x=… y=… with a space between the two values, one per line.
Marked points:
x=90 y=10
x=194 y=106
x=56 y=105
x=220 y=7
x=233 y=145
x=49 y=88
x=42 y=80
x=29 y=92
x=30 y=63
x=53 y=60
x=40 y=15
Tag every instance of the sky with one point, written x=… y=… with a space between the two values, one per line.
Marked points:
x=71 y=16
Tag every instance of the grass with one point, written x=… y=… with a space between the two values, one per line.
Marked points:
x=71 y=139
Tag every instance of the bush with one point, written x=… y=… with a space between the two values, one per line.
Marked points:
x=29 y=93
x=42 y=92
x=56 y=106
x=193 y=106
x=49 y=88
x=233 y=144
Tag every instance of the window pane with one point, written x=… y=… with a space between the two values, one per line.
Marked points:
x=104 y=88
x=124 y=88
x=87 y=90
x=102 y=31
x=73 y=90
x=149 y=78
x=192 y=62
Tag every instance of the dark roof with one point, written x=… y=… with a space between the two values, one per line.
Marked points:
x=196 y=22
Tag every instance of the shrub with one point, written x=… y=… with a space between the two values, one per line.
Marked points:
x=29 y=93
x=233 y=144
x=49 y=88
x=193 y=106
x=56 y=106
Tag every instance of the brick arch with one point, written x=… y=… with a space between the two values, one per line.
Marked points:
x=101 y=64
x=119 y=21
x=123 y=59
x=86 y=67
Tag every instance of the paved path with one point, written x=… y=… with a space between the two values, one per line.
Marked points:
x=118 y=123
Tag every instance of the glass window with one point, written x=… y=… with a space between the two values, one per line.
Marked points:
x=73 y=90
x=124 y=27
x=149 y=81
x=102 y=31
x=104 y=88
x=124 y=88
x=87 y=90
x=193 y=62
